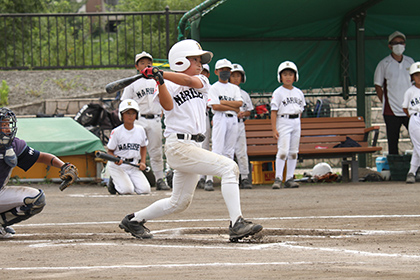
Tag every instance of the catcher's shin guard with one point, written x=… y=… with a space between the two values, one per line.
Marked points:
x=33 y=206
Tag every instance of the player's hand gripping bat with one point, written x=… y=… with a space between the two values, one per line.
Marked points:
x=115 y=159
x=122 y=83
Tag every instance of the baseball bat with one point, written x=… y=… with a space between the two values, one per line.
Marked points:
x=114 y=159
x=122 y=83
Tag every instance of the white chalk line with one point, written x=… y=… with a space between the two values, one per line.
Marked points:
x=217 y=264
x=223 y=220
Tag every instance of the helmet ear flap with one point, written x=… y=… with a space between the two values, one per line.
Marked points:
x=181 y=64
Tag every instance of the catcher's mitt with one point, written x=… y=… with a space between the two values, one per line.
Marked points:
x=68 y=174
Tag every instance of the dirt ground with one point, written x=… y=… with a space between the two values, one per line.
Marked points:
x=318 y=231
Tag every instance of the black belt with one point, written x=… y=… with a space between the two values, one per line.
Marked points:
x=230 y=115
x=128 y=159
x=148 y=116
x=241 y=120
x=416 y=114
x=196 y=137
x=290 y=116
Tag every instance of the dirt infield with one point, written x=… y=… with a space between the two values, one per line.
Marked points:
x=324 y=231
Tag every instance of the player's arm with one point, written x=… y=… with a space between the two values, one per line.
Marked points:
x=273 y=124
x=143 y=154
x=406 y=112
x=379 y=92
x=183 y=79
x=50 y=160
x=222 y=108
x=111 y=152
x=231 y=103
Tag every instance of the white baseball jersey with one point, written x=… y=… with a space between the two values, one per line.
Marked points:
x=394 y=78
x=412 y=100
x=247 y=103
x=288 y=102
x=188 y=115
x=143 y=91
x=220 y=91
x=126 y=143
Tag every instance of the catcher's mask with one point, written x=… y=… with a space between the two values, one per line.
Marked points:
x=8 y=127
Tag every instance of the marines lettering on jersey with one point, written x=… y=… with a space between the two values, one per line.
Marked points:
x=187 y=95
x=129 y=146
x=291 y=100
x=227 y=98
x=415 y=101
x=144 y=92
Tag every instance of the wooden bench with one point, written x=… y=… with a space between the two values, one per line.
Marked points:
x=324 y=132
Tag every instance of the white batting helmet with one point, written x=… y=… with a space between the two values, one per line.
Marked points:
x=126 y=105
x=287 y=65
x=414 y=68
x=239 y=68
x=180 y=51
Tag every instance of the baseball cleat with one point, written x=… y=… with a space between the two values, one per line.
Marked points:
x=411 y=178
x=161 y=185
x=209 y=186
x=6 y=232
x=241 y=229
x=137 y=229
x=277 y=184
x=291 y=184
x=201 y=183
x=245 y=184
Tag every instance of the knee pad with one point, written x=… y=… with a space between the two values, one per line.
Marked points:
x=33 y=206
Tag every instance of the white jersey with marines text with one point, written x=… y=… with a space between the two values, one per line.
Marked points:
x=288 y=102
x=143 y=91
x=220 y=91
x=127 y=143
x=412 y=100
x=189 y=113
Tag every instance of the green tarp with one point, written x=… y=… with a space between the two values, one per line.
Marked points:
x=260 y=34
x=58 y=136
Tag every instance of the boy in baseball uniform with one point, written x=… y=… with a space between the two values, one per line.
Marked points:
x=183 y=96
x=149 y=118
x=287 y=104
x=225 y=100
x=19 y=203
x=411 y=107
x=238 y=77
x=128 y=142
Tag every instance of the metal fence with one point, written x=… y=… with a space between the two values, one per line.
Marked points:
x=90 y=40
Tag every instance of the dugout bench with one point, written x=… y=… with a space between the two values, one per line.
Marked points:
x=318 y=137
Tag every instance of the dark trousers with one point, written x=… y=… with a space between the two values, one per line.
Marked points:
x=393 y=126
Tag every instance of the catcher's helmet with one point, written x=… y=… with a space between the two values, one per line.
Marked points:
x=180 y=51
x=287 y=65
x=8 y=127
x=414 y=68
x=239 y=68
x=126 y=105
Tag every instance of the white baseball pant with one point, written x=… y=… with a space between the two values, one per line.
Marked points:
x=414 y=131
x=241 y=151
x=206 y=142
x=224 y=134
x=287 y=146
x=153 y=128
x=13 y=196
x=128 y=179
x=188 y=160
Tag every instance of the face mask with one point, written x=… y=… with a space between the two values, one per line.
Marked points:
x=224 y=75
x=398 y=49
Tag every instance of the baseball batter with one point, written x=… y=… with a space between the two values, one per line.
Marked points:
x=238 y=77
x=287 y=104
x=183 y=96
x=19 y=203
x=142 y=91
x=128 y=141
x=411 y=107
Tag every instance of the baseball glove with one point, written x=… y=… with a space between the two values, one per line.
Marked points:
x=68 y=174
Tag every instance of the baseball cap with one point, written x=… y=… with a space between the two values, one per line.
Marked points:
x=395 y=34
x=141 y=55
x=223 y=63
x=206 y=67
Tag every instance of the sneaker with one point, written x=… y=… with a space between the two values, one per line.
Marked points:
x=201 y=183
x=277 y=183
x=291 y=184
x=245 y=184
x=242 y=228
x=209 y=186
x=137 y=229
x=411 y=178
x=161 y=185
x=111 y=186
x=6 y=232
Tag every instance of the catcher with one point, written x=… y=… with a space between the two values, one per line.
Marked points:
x=18 y=203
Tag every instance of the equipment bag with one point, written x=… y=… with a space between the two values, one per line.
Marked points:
x=89 y=114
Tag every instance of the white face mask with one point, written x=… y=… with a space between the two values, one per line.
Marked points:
x=398 y=49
